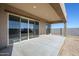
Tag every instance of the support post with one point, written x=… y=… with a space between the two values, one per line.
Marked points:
x=65 y=28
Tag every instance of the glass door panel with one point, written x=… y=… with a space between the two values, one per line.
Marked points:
x=36 y=29
x=31 y=29
x=24 y=29
x=14 y=29
x=48 y=28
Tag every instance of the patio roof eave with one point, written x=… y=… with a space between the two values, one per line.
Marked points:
x=58 y=21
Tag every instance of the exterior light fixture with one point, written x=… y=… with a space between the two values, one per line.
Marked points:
x=34 y=7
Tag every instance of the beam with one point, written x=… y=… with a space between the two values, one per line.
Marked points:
x=58 y=10
x=58 y=21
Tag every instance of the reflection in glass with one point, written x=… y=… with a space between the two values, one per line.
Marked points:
x=31 y=29
x=24 y=29
x=14 y=29
x=48 y=28
x=36 y=29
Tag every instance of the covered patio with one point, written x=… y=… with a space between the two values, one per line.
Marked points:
x=43 y=15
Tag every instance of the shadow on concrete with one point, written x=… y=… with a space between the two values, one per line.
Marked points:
x=6 y=51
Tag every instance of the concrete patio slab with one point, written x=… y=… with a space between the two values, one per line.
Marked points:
x=44 y=45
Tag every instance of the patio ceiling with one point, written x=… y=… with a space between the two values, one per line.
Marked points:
x=51 y=13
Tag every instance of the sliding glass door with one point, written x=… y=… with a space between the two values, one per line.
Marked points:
x=24 y=29
x=19 y=28
x=14 y=29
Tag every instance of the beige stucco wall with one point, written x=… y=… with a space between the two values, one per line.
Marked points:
x=42 y=27
x=3 y=28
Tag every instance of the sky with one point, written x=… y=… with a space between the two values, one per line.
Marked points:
x=72 y=11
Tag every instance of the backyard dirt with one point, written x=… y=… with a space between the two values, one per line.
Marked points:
x=70 y=47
